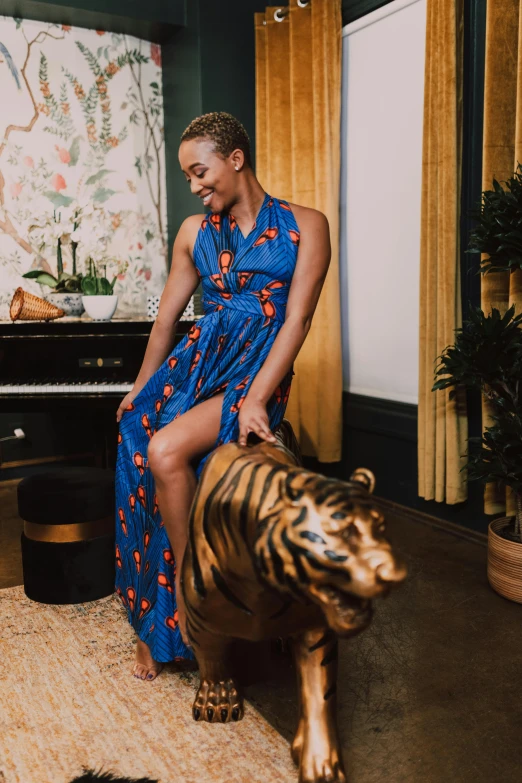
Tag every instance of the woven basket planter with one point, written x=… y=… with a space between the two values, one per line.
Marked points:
x=504 y=562
x=28 y=307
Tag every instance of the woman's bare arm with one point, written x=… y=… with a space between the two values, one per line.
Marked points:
x=181 y=283
x=313 y=260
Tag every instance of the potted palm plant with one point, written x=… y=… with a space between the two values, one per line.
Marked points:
x=487 y=355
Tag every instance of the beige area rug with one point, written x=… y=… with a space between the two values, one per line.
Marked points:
x=68 y=699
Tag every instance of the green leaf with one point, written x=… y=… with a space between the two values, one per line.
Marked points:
x=74 y=151
x=89 y=286
x=104 y=286
x=99 y=175
x=44 y=278
x=102 y=194
x=58 y=199
x=149 y=235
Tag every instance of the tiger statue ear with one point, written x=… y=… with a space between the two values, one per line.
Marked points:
x=365 y=477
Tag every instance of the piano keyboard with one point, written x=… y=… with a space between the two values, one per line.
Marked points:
x=65 y=388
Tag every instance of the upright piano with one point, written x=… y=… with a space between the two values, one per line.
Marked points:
x=74 y=366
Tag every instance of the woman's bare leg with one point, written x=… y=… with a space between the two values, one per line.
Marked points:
x=170 y=453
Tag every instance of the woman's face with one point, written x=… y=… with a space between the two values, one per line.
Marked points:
x=212 y=178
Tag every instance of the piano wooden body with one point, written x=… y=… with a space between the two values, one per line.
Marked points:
x=74 y=366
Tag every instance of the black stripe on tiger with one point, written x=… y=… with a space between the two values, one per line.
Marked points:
x=331 y=555
x=314 y=537
x=335 y=498
x=322 y=491
x=292 y=585
x=301 y=517
x=193 y=610
x=301 y=572
x=325 y=638
x=207 y=528
x=195 y=624
x=279 y=571
x=331 y=655
x=262 y=563
x=267 y=484
x=330 y=691
x=294 y=494
x=281 y=611
x=296 y=549
x=199 y=585
x=210 y=499
x=227 y=592
x=226 y=502
x=243 y=509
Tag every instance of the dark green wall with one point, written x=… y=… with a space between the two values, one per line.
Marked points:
x=207 y=66
x=381 y=435
x=154 y=20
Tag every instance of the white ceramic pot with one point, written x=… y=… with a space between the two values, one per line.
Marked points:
x=100 y=308
x=71 y=304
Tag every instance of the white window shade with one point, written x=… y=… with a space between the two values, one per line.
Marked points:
x=382 y=118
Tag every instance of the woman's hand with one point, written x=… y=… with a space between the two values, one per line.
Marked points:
x=254 y=418
x=124 y=404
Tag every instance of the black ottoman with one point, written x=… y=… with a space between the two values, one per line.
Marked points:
x=68 y=540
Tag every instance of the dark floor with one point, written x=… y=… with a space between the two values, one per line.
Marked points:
x=431 y=692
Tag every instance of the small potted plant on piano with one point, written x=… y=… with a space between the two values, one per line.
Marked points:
x=99 y=298
x=54 y=231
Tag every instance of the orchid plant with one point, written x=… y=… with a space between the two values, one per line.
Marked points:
x=86 y=227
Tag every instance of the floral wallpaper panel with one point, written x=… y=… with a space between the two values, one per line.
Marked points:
x=81 y=158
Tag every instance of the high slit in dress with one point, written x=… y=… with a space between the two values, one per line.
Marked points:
x=245 y=283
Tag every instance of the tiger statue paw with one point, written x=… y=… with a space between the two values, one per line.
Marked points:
x=218 y=702
x=317 y=754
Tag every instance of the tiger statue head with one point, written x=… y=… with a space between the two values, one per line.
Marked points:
x=322 y=539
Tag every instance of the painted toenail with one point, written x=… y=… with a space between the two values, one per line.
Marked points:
x=149 y=676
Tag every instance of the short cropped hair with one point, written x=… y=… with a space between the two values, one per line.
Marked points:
x=224 y=130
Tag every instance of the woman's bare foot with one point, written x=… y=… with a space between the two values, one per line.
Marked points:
x=145 y=667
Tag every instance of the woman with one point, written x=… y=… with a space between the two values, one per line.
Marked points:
x=228 y=377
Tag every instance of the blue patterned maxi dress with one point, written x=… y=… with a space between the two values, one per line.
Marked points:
x=245 y=282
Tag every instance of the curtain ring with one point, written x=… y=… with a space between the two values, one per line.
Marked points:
x=280 y=14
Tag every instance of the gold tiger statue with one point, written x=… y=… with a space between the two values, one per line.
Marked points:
x=277 y=551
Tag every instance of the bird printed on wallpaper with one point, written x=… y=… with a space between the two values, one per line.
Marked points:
x=6 y=57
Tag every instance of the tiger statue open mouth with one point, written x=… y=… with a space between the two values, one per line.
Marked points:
x=274 y=551
x=323 y=539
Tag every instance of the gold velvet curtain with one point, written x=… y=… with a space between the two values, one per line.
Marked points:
x=298 y=141
x=442 y=424
x=501 y=154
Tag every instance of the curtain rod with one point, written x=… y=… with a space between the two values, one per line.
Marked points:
x=281 y=13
